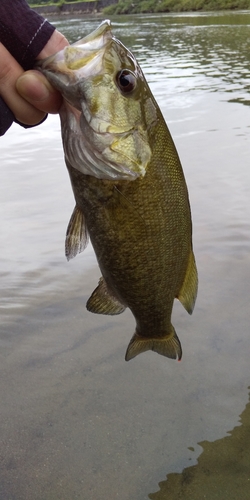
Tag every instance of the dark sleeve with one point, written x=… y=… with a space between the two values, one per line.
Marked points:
x=24 y=33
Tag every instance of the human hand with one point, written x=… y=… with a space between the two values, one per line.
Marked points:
x=28 y=94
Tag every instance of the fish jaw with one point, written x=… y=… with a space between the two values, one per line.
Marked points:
x=113 y=127
x=77 y=61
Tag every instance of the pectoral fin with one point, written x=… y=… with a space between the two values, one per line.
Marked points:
x=102 y=301
x=76 y=235
x=168 y=346
x=188 y=292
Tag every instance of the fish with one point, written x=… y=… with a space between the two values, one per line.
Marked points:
x=129 y=187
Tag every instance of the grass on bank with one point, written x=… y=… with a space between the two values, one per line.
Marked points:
x=144 y=6
x=57 y=3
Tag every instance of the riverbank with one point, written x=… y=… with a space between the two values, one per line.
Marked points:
x=90 y=6
x=150 y=6
x=141 y=6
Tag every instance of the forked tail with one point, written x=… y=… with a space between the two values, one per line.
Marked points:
x=168 y=346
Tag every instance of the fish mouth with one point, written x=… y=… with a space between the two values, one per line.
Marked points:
x=97 y=140
x=79 y=60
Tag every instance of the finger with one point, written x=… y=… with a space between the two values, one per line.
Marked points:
x=35 y=88
x=56 y=42
x=10 y=70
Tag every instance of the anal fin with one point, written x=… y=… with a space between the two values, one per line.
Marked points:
x=102 y=301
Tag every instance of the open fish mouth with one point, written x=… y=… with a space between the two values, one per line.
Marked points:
x=104 y=128
x=81 y=59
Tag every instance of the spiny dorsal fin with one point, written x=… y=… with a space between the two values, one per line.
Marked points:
x=168 y=346
x=76 y=235
x=188 y=292
x=102 y=301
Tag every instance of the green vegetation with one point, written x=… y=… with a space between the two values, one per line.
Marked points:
x=143 y=6
x=139 y=6
x=39 y=3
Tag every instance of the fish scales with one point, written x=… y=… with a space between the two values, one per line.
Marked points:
x=138 y=215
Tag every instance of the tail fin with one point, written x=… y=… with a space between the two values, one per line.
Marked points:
x=168 y=346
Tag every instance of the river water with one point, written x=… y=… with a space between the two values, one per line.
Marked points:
x=77 y=422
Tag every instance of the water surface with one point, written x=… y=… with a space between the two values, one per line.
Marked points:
x=76 y=420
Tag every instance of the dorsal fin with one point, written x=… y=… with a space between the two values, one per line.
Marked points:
x=102 y=301
x=188 y=292
x=76 y=235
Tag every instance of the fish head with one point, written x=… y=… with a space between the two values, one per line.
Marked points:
x=109 y=112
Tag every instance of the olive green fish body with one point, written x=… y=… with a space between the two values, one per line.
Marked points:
x=141 y=234
x=130 y=192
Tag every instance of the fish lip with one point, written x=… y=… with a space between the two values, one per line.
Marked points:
x=103 y=30
x=74 y=60
x=84 y=151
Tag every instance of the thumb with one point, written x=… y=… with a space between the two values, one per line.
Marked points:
x=36 y=89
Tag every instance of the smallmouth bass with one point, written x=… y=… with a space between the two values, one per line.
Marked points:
x=130 y=191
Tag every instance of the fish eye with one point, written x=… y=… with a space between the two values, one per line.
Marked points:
x=126 y=81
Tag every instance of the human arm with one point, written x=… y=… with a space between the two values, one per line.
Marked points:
x=25 y=36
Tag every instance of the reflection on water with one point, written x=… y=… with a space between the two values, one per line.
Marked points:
x=76 y=420
x=222 y=470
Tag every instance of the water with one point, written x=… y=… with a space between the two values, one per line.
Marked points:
x=76 y=420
